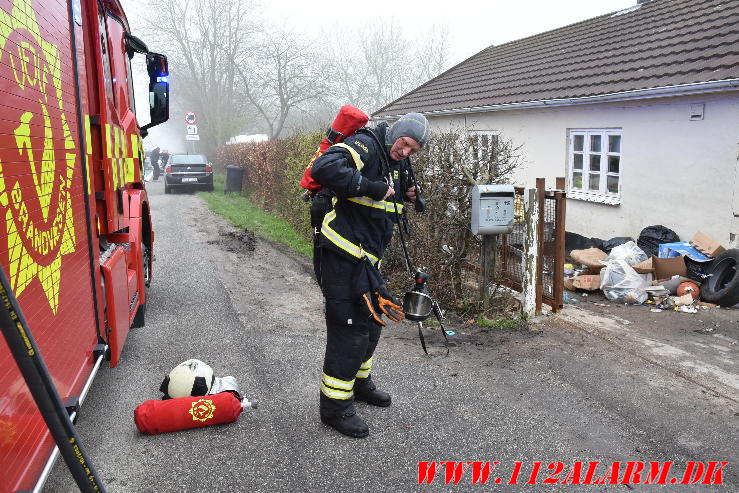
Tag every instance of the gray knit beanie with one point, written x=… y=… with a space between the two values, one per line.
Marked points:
x=413 y=125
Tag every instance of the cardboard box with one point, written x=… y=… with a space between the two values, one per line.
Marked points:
x=645 y=267
x=706 y=245
x=665 y=268
x=590 y=257
x=588 y=283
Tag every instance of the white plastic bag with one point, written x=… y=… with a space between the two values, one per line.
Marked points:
x=622 y=284
x=629 y=252
x=223 y=384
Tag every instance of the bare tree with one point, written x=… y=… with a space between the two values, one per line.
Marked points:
x=205 y=40
x=385 y=63
x=282 y=74
x=387 y=58
x=432 y=53
x=345 y=76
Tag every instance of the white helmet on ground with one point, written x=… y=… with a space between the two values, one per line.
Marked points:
x=189 y=378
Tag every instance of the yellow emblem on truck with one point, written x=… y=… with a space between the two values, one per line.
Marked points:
x=35 y=183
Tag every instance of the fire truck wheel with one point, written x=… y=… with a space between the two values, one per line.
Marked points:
x=139 y=320
x=146 y=261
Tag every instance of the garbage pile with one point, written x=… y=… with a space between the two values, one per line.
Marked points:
x=658 y=270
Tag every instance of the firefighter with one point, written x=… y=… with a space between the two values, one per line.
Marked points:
x=163 y=159
x=363 y=172
x=154 y=158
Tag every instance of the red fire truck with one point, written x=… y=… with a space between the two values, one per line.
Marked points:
x=75 y=237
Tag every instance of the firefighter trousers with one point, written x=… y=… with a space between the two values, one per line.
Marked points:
x=351 y=337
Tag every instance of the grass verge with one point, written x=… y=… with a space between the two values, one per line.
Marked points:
x=501 y=323
x=240 y=212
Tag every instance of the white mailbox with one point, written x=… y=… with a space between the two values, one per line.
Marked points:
x=492 y=209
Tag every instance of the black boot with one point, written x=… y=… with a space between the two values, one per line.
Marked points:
x=348 y=423
x=369 y=394
x=374 y=397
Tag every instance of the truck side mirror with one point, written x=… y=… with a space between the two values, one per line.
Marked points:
x=159 y=102
x=158 y=69
x=135 y=45
x=157 y=66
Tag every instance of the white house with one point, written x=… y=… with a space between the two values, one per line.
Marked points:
x=639 y=109
x=240 y=139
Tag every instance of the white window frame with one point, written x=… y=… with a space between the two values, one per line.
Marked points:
x=476 y=134
x=602 y=195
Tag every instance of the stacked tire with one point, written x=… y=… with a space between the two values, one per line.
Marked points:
x=722 y=285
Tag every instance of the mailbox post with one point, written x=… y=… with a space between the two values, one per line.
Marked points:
x=492 y=214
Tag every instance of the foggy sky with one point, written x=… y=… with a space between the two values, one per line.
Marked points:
x=473 y=26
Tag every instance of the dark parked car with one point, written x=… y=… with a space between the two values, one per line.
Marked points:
x=188 y=170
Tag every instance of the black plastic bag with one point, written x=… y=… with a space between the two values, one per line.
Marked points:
x=698 y=271
x=614 y=242
x=597 y=243
x=652 y=237
x=574 y=241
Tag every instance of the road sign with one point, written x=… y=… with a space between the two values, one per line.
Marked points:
x=192 y=130
x=192 y=137
x=191 y=118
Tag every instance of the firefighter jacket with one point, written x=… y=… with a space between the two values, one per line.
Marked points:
x=358 y=171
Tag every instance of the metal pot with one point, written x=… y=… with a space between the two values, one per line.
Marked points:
x=417 y=306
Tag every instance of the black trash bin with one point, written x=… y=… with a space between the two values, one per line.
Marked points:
x=234 y=178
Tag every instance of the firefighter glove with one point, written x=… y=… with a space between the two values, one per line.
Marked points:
x=371 y=311
x=389 y=306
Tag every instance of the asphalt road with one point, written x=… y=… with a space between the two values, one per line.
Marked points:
x=549 y=393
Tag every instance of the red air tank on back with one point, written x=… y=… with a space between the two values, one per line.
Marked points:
x=348 y=120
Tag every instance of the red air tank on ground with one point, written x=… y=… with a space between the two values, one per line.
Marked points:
x=183 y=413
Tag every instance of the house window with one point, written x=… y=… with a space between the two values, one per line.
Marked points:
x=594 y=165
x=482 y=144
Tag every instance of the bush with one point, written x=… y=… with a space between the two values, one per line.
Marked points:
x=296 y=211
x=441 y=241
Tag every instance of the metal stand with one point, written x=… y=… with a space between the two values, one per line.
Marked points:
x=489 y=245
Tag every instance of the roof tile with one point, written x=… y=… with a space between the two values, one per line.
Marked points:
x=660 y=44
